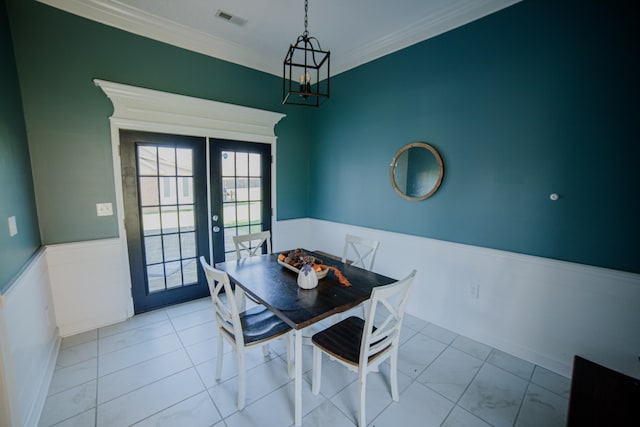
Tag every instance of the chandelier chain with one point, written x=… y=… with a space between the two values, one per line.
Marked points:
x=306 y=21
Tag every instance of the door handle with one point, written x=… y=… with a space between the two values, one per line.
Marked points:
x=216 y=229
x=215 y=217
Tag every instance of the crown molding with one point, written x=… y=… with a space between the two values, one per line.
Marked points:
x=124 y=17
x=136 y=21
x=447 y=19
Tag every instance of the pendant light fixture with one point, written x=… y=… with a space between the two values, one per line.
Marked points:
x=305 y=79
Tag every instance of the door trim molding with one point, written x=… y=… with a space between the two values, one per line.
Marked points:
x=137 y=108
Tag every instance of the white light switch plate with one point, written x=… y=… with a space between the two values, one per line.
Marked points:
x=104 y=209
x=13 y=227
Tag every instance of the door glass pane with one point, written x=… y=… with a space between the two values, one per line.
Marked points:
x=173 y=272
x=242 y=164
x=242 y=190
x=187 y=218
x=228 y=189
x=151 y=221
x=185 y=190
x=188 y=244
x=171 y=247
x=255 y=189
x=229 y=246
x=169 y=218
x=148 y=191
x=168 y=194
x=255 y=212
x=184 y=162
x=155 y=277
x=255 y=164
x=242 y=213
x=147 y=160
x=190 y=271
x=167 y=161
x=228 y=163
x=229 y=214
x=153 y=249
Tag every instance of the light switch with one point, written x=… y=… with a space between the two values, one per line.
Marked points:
x=13 y=227
x=104 y=209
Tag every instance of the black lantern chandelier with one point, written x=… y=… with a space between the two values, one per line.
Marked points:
x=305 y=77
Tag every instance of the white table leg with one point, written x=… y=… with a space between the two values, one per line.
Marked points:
x=298 y=376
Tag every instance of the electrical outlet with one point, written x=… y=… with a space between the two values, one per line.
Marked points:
x=13 y=226
x=104 y=209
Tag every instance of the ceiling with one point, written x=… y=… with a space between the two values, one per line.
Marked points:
x=260 y=32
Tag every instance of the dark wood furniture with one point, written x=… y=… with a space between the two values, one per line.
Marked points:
x=602 y=397
x=276 y=287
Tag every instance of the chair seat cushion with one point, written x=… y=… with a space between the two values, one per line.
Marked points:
x=259 y=324
x=342 y=340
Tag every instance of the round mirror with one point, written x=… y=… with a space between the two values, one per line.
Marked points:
x=416 y=171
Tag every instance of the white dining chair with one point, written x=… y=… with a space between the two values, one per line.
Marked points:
x=243 y=330
x=362 y=347
x=251 y=244
x=363 y=251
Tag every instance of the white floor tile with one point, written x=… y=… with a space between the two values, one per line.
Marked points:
x=510 y=363
x=74 y=375
x=192 y=319
x=189 y=307
x=78 y=353
x=325 y=415
x=418 y=353
x=551 y=381
x=197 y=411
x=135 y=336
x=451 y=373
x=418 y=406
x=129 y=379
x=149 y=400
x=462 y=418
x=414 y=322
x=198 y=333
x=438 y=333
x=85 y=419
x=137 y=321
x=378 y=395
x=69 y=403
x=205 y=350
x=260 y=381
x=542 y=408
x=253 y=358
x=138 y=353
x=79 y=339
x=494 y=395
x=471 y=347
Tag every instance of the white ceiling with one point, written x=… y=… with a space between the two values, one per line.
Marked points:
x=355 y=31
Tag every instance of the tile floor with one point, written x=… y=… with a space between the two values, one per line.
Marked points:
x=158 y=369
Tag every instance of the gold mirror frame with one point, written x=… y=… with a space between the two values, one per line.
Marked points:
x=440 y=167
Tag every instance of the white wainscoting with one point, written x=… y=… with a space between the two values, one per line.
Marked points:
x=90 y=284
x=539 y=309
x=29 y=344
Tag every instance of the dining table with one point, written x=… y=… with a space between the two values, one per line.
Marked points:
x=275 y=286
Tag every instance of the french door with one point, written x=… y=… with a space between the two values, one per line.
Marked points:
x=165 y=202
x=240 y=193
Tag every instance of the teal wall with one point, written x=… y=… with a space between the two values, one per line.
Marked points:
x=59 y=54
x=539 y=98
x=16 y=184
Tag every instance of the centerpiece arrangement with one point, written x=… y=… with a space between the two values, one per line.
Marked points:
x=305 y=265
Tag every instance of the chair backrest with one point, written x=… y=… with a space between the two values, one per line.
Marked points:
x=388 y=304
x=225 y=310
x=251 y=244
x=363 y=250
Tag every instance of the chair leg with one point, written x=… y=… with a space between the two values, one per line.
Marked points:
x=265 y=350
x=317 y=367
x=220 y=351
x=362 y=391
x=394 y=375
x=241 y=379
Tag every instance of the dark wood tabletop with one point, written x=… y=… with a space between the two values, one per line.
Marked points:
x=276 y=287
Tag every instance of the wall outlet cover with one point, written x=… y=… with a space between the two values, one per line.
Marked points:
x=104 y=209
x=13 y=226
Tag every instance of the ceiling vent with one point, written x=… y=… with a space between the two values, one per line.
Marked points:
x=231 y=18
